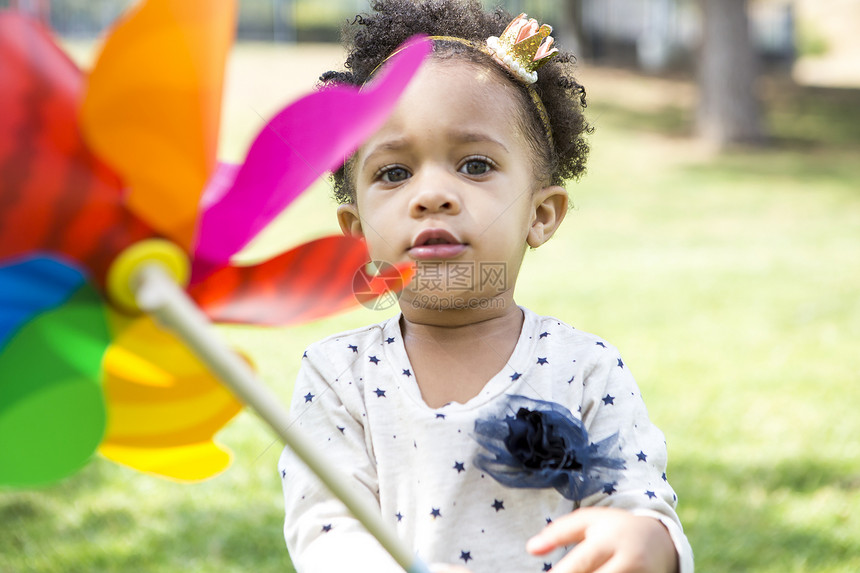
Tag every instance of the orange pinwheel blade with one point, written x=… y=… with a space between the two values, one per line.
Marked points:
x=163 y=405
x=153 y=105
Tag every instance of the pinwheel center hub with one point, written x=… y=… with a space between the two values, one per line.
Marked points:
x=123 y=274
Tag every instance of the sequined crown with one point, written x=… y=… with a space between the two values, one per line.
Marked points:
x=523 y=47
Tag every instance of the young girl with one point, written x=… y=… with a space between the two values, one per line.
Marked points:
x=491 y=438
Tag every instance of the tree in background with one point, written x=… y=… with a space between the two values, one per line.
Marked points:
x=570 y=20
x=729 y=107
x=39 y=9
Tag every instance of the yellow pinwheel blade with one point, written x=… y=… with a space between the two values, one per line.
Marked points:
x=164 y=407
x=153 y=105
x=185 y=463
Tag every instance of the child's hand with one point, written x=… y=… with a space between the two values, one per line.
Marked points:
x=608 y=540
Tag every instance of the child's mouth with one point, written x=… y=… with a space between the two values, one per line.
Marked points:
x=436 y=244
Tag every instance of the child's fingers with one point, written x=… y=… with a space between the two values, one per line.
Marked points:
x=564 y=531
x=586 y=558
x=442 y=568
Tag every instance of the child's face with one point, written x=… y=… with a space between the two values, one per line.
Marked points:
x=448 y=182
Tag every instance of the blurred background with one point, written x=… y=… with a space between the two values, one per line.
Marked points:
x=725 y=44
x=715 y=240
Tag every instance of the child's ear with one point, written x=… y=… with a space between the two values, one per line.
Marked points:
x=350 y=223
x=550 y=207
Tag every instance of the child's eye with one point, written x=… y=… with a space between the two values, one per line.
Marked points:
x=476 y=166
x=394 y=174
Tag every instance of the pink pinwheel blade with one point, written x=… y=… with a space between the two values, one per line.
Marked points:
x=219 y=184
x=310 y=137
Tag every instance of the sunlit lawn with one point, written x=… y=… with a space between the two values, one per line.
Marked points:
x=731 y=285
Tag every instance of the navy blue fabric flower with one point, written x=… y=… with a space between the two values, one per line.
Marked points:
x=538 y=444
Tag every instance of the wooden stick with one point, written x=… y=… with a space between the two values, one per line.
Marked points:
x=160 y=296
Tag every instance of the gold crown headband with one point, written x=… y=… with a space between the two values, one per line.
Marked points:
x=522 y=48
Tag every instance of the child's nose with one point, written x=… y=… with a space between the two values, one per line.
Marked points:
x=434 y=195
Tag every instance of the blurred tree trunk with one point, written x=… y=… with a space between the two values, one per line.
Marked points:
x=729 y=108
x=571 y=22
x=39 y=9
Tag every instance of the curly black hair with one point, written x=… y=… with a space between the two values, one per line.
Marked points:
x=371 y=38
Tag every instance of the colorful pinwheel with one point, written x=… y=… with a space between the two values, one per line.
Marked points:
x=99 y=171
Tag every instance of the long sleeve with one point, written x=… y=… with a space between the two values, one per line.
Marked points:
x=320 y=533
x=613 y=404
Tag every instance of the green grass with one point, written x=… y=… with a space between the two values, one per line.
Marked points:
x=731 y=285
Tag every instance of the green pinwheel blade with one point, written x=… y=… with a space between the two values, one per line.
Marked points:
x=52 y=410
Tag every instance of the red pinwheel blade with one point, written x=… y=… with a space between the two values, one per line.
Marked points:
x=54 y=194
x=313 y=280
x=308 y=138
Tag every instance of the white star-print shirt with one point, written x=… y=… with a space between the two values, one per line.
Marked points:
x=356 y=399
